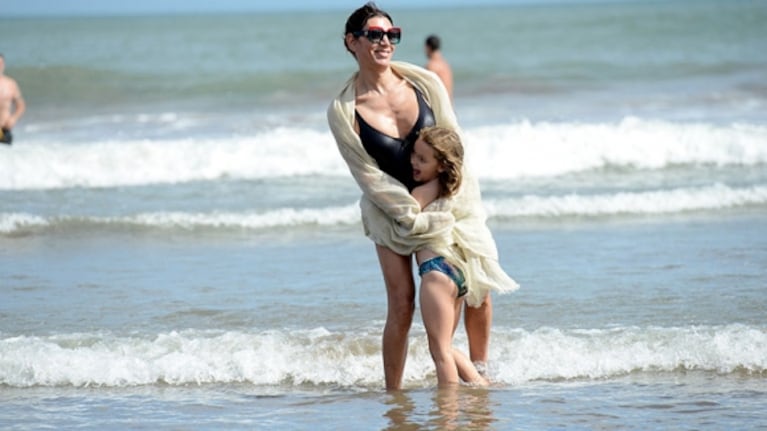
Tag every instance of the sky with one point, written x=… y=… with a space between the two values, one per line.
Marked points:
x=9 y=8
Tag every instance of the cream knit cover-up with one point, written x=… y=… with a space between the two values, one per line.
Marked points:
x=454 y=228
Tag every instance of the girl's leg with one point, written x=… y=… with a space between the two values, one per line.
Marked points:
x=438 y=310
x=467 y=371
x=400 y=294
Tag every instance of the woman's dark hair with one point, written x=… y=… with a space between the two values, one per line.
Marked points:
x=360 y=17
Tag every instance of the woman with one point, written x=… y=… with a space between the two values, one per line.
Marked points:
x=375 y=120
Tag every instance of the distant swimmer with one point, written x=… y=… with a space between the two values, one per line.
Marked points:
x=437 y=63
x=12 y=105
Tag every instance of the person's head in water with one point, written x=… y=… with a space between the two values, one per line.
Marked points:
x=432 y=44
x=370 y=32
x=438 y=153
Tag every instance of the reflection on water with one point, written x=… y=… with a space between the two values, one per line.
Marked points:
x=451 y=408
x=401 y=413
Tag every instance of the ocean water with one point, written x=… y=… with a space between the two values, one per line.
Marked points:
x=180 y=245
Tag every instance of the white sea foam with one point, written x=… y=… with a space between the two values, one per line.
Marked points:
x=13 y=222
x=284 y=217
x=551 y=353
x=709 y=198
x=276 y=153
x=549 y=149
x=321 y=357
x=671 y=201
x=503 y=151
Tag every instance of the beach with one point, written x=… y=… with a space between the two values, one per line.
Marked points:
x=181 y=246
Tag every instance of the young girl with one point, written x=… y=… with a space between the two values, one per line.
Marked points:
x=437 y=161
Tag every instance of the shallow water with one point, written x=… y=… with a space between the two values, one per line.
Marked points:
x=180 y=245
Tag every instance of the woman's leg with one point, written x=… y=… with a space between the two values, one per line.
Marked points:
x=478 y=322
x=438 y=310
x=400 y=294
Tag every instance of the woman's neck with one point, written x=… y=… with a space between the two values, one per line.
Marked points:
x=377 y=80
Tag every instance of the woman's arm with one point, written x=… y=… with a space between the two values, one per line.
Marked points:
x=387 y=205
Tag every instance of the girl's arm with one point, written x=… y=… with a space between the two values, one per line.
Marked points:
x=426 y=193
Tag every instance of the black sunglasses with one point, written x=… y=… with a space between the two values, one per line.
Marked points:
x=376 y=34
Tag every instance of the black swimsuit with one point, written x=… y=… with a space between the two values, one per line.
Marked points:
x=393 y=154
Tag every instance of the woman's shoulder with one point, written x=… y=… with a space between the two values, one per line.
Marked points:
x=343 y=99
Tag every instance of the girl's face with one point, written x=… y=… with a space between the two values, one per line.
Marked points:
x=425 y=165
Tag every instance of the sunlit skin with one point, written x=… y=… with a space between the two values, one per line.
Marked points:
x=385 y=100
x=437 y=64
x=425 y=164
x=12 y=104
x=388 y=103
x=440 y=309
x=369 y=54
